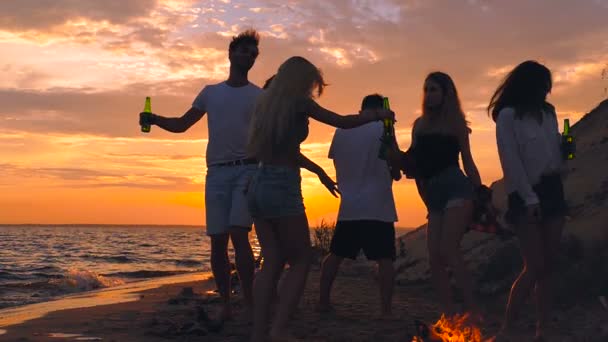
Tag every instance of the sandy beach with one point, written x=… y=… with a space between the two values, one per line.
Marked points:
x=173 y=313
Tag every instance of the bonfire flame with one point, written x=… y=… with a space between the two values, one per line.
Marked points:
x=453 y=329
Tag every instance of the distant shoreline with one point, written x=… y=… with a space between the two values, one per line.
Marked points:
x=93 y=225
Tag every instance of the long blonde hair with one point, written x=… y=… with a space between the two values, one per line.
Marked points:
x=274 y=118
x=449 y=119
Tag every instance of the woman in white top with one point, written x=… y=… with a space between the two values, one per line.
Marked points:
x=529 y=148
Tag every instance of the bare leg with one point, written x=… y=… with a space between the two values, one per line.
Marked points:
x=220 y=267
x=532 y=253
x=439 y=273
x=265 y=283
x=551 y=235
x=454 y=225
x=295 y=245
x=244 y=262
x=329 y=269
x=386 y=280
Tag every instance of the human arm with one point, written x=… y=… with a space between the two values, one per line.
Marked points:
x=328 y=117
x=405 y=160
x=184 y=122
x=311 y=166
x=513 y=169
x=393 y=159
x=175 y=124
x=467 y=158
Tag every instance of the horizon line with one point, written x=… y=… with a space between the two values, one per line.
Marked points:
x=142 y=225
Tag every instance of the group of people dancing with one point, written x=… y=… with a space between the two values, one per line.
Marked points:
x=253 y=177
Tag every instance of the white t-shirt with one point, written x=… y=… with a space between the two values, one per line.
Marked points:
x=527 y=150
x=229 y=111
x=363 y=179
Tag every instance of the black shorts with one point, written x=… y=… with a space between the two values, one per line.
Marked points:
x=550 y=192
x=376 y=238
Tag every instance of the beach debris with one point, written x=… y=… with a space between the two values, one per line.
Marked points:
x=192 y=328
x=184 y=297
x=170 y=328
x=187 y=292
x=212 y=325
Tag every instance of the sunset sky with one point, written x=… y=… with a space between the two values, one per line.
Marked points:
x=75 y=74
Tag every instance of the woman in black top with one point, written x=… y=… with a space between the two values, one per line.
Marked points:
x=439 y=136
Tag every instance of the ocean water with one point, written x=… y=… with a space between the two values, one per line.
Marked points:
x=38 y=263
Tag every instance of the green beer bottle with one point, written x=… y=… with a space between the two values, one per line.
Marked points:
x=388 y=133
x=147 y=109
x=568 y=148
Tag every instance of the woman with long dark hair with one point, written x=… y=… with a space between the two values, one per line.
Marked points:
x=279 y=125
x=529 y=148
x=439 y=137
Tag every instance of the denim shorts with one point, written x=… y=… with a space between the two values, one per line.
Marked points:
x=447 y=189
x=275 y=191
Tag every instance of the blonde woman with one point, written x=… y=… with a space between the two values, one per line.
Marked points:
x=439 y=137
x=279 y=125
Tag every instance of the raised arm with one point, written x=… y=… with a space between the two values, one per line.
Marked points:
x=467 y=158
x=328 y=117
x=182 y=123
x=175 y=125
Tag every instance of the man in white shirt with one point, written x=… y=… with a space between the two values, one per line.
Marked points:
x=229 y=105
x=367 y=209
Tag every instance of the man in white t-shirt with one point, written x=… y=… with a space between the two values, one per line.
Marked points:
x=229 y=105
x=367 y=209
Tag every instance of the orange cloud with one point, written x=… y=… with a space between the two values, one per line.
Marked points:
x=74 y=82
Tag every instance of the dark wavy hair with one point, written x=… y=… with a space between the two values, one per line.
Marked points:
x=525 y=89
x=268 y=82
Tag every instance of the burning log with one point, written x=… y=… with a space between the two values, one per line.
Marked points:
x=447 y=329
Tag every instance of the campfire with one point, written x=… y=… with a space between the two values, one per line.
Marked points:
x=448 y=329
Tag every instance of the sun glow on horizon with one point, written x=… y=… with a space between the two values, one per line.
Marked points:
x=74 y=82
